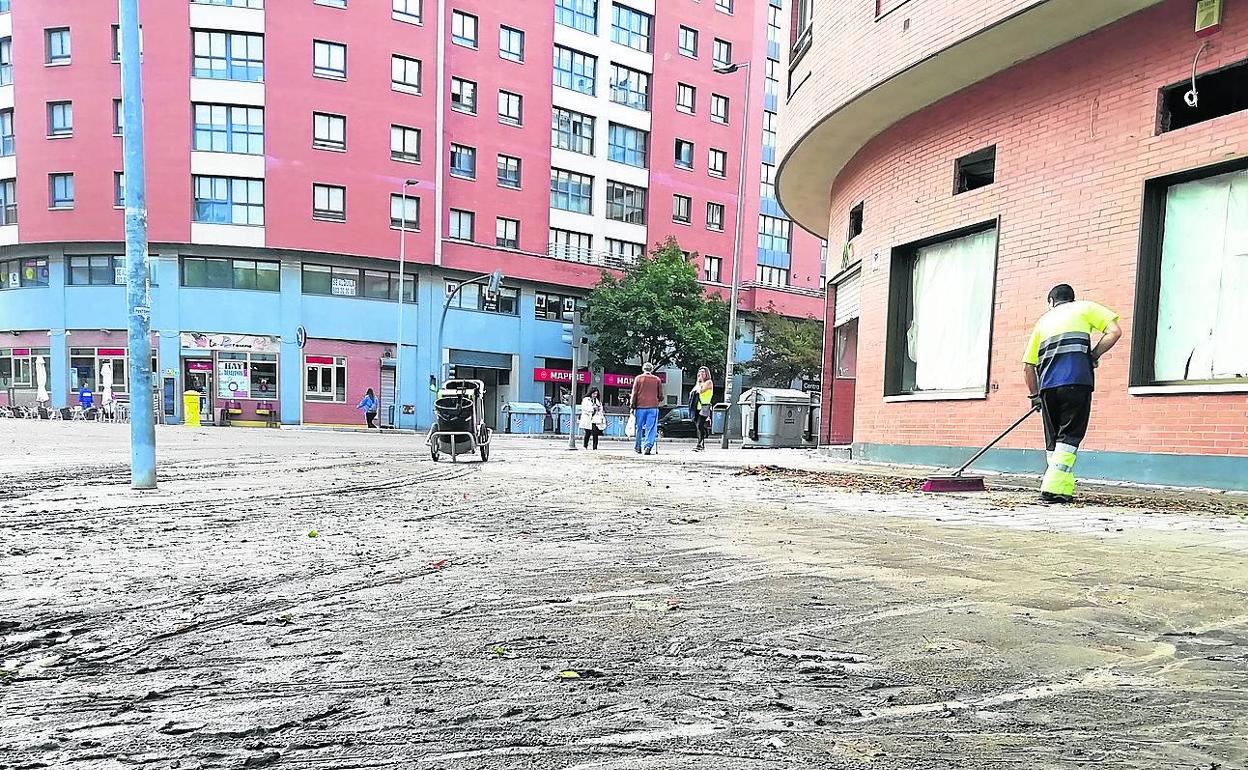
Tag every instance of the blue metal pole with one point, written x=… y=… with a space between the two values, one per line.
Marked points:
x=138 y=295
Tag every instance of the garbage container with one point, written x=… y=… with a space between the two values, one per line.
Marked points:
x=190 y=409
x=816 y=414
x=776 y=417
x=524 y=418
x=562 y=416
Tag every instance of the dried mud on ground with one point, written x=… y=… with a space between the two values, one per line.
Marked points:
x=303 y=600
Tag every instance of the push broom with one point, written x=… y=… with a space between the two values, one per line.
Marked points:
x=956 y=482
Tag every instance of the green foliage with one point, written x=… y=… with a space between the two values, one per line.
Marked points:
x=785 y=349
x=657 y=312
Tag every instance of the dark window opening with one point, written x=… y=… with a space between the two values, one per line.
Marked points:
x=1218 y=93
x=976 y=170
x=855 y=221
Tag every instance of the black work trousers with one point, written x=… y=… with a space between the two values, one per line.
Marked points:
x=593 y=432
x=1065 y=410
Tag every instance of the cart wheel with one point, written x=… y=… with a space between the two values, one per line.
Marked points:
x=485 y=452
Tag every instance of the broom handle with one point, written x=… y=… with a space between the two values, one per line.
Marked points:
x=993 y=443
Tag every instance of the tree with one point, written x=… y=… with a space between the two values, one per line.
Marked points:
x=657 y=312
x=785 y=349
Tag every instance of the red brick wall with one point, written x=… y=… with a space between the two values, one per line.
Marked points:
x=1076 y=140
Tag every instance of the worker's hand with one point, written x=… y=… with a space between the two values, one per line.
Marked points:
x=1035 y=400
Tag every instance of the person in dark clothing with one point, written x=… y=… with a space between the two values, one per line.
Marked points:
x=1058 y=369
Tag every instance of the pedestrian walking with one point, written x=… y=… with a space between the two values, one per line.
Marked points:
x=700 y=406
x=593 y=418
x=647 y=394
x=1058 y=369
x=369 y=405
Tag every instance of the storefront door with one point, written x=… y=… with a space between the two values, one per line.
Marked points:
x=197 y=375
x=844 y=374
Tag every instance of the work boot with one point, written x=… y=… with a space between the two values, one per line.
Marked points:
x=1051 y=498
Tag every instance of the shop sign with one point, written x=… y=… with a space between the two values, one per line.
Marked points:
x=626 y=380
x=21 y=351
x=252 y=342
x=232 y=380
x=559 y=375
x=113 y=352
x=199 y=366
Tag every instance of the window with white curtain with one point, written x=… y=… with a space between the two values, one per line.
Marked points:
x=1201 y=312
x=940 y=315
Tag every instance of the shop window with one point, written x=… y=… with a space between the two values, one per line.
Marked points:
x=216 y=273
x=325 y=379
x=555 y=307
x=855 y=221
x=87 y=366
x=24 y=273
x=353 y=282
x=1217 y=93
x=1190 y=307
x=940 y=314
x=979 y=169
x=246 y=376
x=102 y=270
x=18 y=366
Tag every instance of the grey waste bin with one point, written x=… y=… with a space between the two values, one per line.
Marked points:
x=524 y=418
x=816 y=414
x=776 y=417
x=562 y=415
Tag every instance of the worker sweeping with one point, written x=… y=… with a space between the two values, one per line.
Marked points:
x=1058 y=368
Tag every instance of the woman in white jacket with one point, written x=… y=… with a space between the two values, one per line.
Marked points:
x=593 y=419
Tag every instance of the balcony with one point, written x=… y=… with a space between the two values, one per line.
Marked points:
x=604 y=259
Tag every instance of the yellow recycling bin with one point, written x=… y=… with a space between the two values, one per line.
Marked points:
x=190 y=409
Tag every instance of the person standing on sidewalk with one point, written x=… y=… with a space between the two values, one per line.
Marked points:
x=593 y=418
x=647 y=394
x=1058 y=369
x=703 y=393
x=369 y=405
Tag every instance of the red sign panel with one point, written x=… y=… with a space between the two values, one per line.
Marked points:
x=609 y=380
x=115 y=352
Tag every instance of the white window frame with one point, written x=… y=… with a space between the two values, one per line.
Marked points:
x=319 y=394
x=329 y=195
x=465 y=29
x=400 y=74
x=326 y=56
x=329 y=131
x=459 y=220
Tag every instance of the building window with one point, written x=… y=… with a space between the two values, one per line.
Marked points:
x=228 y=56
x=717 y=162
x=575 y=71
x=228 y=128
x=86 y=368
x=463 y=223
x=329 y=202
x=7 y=144
x=246 y=376
x=61 y=191
x=405 y=74
x=686 y=98
x=57 y=45
x=684 y=154
x=329 y=132
x=463 y=161
x=8 y=202
x=688 y=42
x=554 y=307
x=509 y=172
x=332 y=3
x=60 y=119
x=721 y=54
x=119 y=117
x=767 y=186
x=769 y=128
x=405 y=212
x=409 y=11
x=475 y=297
x=18 y=365
x=571 y=246
x=630 y=87
x=770 y=275
x=329 y=60
x=712 y=269
x=463 y=29
x=96 y=270
x=507 y=233
x=258 y=4
x=631 y=27
x=928 y=347
x=572 y=131
x=855 y=221
x=682 y=208
x=976 y=170
x=1190 y=309
x=464 y=96
x=774 y=234
x=350 y=282
x=578 y=14
x=224 y=200
x=511 y=44
x=802 y=29
x=6 y=61
x=325 y=379
x=626 y=203
x=405 y=144
x=217 y=273
x=771 y=78
x=570 y=191
x=23 y=273
x=1221 y=92
x=119 y=190
x=723 y=5
x=625 y=251
x=719 y=109
x=627 y=145
x=510 y=108
x=715 y=217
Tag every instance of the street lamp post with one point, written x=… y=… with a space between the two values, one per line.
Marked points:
x=731 y=357
x=398 y=334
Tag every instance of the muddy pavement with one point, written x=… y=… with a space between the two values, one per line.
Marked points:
x=317 y=600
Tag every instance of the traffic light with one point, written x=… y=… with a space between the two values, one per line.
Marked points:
x=569 y=333
x=495 y=284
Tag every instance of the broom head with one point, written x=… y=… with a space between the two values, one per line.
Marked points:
x=954 y=484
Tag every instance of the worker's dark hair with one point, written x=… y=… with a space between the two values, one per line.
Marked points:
x=1061 y=293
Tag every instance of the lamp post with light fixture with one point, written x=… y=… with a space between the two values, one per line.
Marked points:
x=398 y=334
